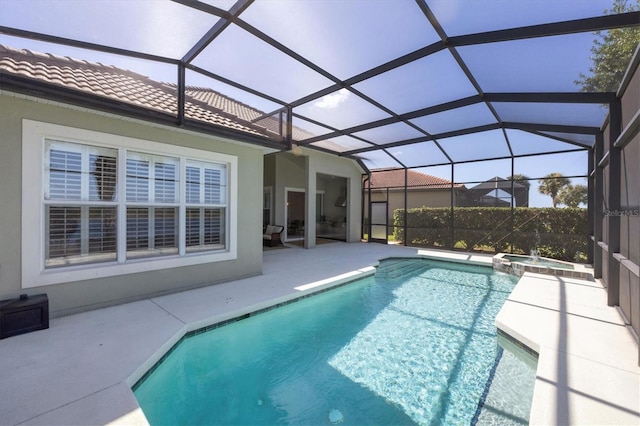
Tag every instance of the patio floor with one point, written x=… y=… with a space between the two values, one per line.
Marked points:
x=79 y=371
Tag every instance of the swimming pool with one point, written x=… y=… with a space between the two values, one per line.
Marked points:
x=414 y=344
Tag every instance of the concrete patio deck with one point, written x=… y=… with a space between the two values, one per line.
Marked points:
x=588 y=370
x=79 y=371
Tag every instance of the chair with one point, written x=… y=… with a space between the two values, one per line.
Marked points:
x=271 y=236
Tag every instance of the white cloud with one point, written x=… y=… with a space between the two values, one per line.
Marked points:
x=333 y=100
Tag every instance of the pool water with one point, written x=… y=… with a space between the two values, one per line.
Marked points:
x=414 y=344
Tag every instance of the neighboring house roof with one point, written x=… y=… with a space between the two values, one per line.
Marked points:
x=130 y=87
x=497 y=183
x=394 y=180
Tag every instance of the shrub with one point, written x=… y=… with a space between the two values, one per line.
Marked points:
x=556 y=233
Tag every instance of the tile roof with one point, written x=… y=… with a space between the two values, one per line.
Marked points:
x=202 y=103
x=129 y=87
x=224 y=103
x=415 y=180
x=244 y=111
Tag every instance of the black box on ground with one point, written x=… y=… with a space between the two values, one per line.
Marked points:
x=22 y=315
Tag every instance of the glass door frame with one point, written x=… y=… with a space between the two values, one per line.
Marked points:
x=374 y=224
x=286 y=237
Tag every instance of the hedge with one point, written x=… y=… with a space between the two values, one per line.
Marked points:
x=554 y=232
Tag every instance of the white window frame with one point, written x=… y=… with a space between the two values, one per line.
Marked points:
x=34 y=274
x=201 y=204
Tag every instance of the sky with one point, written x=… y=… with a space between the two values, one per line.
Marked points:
x=347 y=38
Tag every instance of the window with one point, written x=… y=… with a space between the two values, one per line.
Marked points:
x=111 y=205
x=152 y=205
x=79 y=203
x=206 y=197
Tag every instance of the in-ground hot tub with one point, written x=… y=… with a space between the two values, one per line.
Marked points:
x=519 y=264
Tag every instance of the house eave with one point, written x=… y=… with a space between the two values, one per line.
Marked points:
x=63 y=95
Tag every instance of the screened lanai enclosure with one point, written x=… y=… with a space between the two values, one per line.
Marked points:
x=463 y=115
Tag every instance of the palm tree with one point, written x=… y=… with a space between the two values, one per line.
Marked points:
x=573 y=195
x=551 y=185
x=521 y=179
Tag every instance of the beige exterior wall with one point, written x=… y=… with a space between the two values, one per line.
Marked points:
x=71 y=297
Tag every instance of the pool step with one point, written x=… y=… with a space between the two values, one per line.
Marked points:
x=394 y=269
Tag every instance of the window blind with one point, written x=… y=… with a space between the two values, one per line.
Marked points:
x=81 y=198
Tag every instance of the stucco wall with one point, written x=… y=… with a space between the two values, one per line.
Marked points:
x=81 y=295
